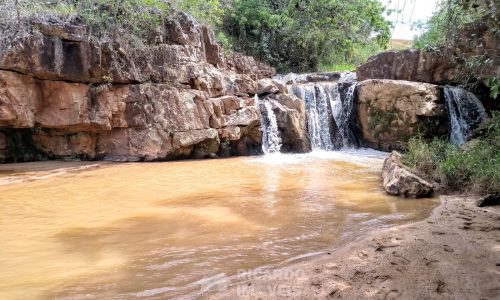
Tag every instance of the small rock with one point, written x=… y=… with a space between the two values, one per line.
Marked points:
x=489 y=200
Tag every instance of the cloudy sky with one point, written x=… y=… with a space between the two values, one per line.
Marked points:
x=413 y=10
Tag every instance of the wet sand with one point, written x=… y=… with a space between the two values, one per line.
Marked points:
x=454 y=254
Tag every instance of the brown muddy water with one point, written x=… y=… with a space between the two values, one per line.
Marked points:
x=166 y=230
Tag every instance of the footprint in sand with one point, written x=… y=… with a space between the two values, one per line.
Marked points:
x=438 y=233
x=363 y=255
x=441 y=287
x=399 y=268
x=448 y=248
x=316 y=284
x=431 y=262
x=392 y=294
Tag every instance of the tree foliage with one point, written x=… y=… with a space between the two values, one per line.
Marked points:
x=209 y=11
x=292 y=35
x=454 y=30
x=134 y=16
x=452 y=16
x=299 y=35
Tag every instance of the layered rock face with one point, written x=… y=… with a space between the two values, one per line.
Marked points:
x=391 y=111
x=65 y=95
x=410 y=65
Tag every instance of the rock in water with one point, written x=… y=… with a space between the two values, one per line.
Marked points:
x=399 y=181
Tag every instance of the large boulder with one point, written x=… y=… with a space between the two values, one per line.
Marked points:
x=391 y=111
x=411 y=65
x=398 y=180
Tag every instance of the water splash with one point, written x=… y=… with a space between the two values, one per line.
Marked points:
x=466 y=113
x=349 y=77
x=342 y=114
x=316 y=101
x=271 y=140
x=325 y=104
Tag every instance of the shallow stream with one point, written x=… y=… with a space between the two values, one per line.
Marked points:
x=163 y=230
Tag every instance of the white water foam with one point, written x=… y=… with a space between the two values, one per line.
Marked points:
x=362 y=156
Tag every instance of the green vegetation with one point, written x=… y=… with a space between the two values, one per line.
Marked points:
x=133 y=20
x=209 y=11
x=453 y=16
x=475 y=167
x=304 y=35
x=453 y=30
x=292 y=35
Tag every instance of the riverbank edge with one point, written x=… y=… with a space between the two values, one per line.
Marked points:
x=453 y=254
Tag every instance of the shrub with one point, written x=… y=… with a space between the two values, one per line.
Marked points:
x=475 y=167
x=456 y=29
x=106 y=19
x=208 y=11
x=424 y=156
x=301 y=35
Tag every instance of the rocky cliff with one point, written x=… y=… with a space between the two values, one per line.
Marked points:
x=65 y=94
x=410 y=65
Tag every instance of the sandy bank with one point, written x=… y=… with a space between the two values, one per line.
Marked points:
x=454 y=254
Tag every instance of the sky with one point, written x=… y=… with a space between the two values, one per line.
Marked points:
x=414 y=10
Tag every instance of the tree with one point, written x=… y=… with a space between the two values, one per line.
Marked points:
x=467 y=31
x=209 y=11
x=298 y=35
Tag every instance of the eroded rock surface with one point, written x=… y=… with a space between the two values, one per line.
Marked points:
x=391 y=111
x=399 y=181
x=411 y=65
x=64 y=95
x=290 y=115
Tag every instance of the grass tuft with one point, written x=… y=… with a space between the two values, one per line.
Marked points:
x=475 y=167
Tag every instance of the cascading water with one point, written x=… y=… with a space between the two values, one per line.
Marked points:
x=324 y=100
x=465 y=111
x=342 y=110
x=316 y=101
x=271 y=141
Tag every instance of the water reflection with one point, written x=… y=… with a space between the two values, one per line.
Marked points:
x=157 y=230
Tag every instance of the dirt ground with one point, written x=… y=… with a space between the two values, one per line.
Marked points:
x=454 y=254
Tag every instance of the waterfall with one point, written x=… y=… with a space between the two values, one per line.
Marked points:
x=316 y=102
x=271 y=141
x=342 y=111
x=465 y=111
x=325 y=104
